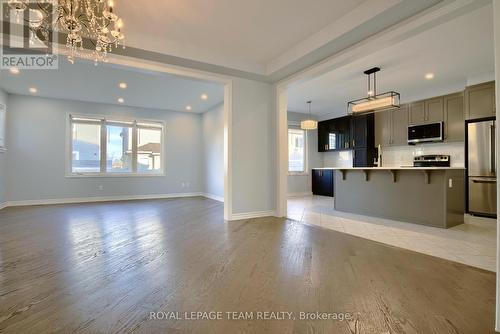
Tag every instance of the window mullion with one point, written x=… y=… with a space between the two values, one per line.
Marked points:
x=134 y=147
x=104 y=146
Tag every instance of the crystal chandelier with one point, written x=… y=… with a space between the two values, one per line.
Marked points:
x=94 y=20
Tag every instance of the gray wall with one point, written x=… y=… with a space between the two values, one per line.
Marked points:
x=213 y=150
x=253 y=147
x=3 y=159
x=37 y=144
x=301 y=184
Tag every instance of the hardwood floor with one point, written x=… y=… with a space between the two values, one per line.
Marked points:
x=102 y=268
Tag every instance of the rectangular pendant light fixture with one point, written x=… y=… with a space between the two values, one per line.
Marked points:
x=373 y=102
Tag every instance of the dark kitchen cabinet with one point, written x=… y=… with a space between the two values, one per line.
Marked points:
x=363 y=140
x=322 y=182
x=334 y=134
x=363 y=131
x=364 y=157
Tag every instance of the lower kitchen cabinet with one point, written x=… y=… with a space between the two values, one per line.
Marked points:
x=322 y=182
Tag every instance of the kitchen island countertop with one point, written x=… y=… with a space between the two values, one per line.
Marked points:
x=391 y=168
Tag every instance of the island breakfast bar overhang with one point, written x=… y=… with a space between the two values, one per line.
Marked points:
x=432 y=196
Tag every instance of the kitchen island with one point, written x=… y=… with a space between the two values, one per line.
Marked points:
x=433 y=196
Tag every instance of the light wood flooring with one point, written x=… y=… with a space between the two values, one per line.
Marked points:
x=103 y=267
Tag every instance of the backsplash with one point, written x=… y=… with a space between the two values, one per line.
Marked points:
x=403 y=155
x=337 y=159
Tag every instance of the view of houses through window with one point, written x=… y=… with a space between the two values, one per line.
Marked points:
x=111 y=146
x=296 y=150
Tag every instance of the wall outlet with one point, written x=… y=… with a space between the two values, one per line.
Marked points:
x=450 y=183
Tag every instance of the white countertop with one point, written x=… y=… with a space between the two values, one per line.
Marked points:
x=391 y=168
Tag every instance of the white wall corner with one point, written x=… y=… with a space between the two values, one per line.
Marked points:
x=251 y=215
x=98 y=199
x=214 y=197
x=304 y=194
x=496 y=28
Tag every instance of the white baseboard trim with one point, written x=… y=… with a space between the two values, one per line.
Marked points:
x=309 y=193
x=98 y=199
x=214 y=197
x=237 y=216
x=249 y=215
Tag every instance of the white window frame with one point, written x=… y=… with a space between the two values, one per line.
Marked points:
x=306 y=152
x=103 y=172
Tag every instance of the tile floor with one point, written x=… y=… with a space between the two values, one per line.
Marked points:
x=472 y=243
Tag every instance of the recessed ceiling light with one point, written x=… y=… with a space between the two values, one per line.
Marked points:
x=33 y=90
x=204 y=97
x=14 y=70
x=189 y=108
x=121 y=100
x=429 y=76
x=123 y=85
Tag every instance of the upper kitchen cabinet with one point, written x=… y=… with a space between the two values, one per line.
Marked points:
x=391 y=127
x=480 y=101
x=383 y=126
x=323 y=133
x=416 y=111
x=399 y=126
x=334 y=134
x=454 y=123
x=362 y=131
x=428 y=111
x=434 y=110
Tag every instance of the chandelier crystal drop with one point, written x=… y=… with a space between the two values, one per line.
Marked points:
x=93 y=20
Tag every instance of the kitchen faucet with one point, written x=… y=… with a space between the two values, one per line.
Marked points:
x=378 y=160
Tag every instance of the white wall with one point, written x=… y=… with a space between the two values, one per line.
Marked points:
x=3 y=160
x=301 y=184
x=213 y=151
x=37 y=143
x=337 y=159
x=403 y=155
x=496 y=15
x=253 y=147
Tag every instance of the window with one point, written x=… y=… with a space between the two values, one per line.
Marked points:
x=102 y=146
x=296 y=151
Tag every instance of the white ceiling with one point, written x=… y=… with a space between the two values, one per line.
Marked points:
x=458 y=52
x=246 y=32
x=259 y=36
x=83 y=81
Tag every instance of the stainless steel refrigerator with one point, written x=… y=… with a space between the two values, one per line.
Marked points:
x=482 y=168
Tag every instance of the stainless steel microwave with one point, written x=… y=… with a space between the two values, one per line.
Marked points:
x=425 y=133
